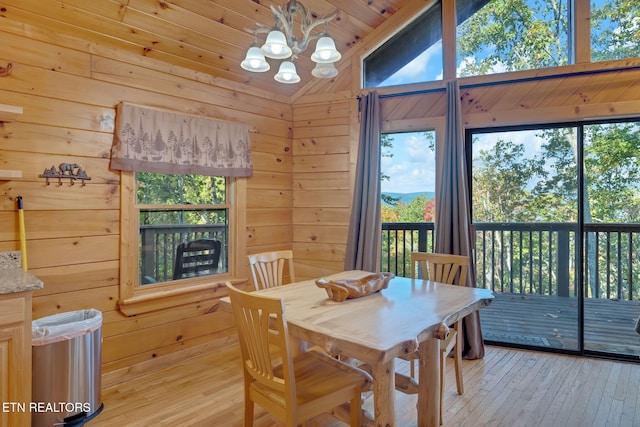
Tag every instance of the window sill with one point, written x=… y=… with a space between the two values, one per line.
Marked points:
x=163 y=296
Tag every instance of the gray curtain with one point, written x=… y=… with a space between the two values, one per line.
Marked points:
x=453 y=233
x=363 y=242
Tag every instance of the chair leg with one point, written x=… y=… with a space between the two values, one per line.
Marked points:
x=458 y=359
x=248 y=412
x=443 y=367
x=412 y=368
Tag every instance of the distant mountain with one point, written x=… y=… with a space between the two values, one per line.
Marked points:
x=408 y=197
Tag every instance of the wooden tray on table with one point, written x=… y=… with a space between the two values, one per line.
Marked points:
x=340 y=290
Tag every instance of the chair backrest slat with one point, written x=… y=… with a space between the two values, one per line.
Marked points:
x=443 y=268
x=267 y=268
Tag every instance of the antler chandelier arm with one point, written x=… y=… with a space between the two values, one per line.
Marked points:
x=284 y=22
x=306 y=29
x=262 y=29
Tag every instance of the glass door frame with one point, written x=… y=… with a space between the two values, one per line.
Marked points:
x=581 y=235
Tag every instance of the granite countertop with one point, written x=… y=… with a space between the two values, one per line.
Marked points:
x=13 y=278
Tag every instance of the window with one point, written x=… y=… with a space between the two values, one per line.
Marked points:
x=174 y=210
x=408 y=175
x=159 y=212
x=179 y=225
x=413 y=55
x=498 y=36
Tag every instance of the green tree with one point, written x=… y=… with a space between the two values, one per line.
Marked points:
x=612 y=164
x=501 y=176
x=511 y=35
x=515 y=35
x=555 y=195
x=165 y=189
x=412 y=211
x=386 y=150
x=615 y=30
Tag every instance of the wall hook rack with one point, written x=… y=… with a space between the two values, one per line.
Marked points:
x=70 y=171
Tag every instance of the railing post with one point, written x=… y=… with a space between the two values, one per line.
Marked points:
x=148 y=253
x=422 y=240
x=563 y=263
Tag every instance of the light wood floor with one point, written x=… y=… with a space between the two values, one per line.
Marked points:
x=506 y=388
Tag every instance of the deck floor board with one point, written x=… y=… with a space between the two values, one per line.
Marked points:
x=552 y=322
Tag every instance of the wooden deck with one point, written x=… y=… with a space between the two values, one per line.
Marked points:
x=553 y=322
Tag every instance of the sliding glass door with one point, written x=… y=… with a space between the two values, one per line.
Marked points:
x=525 y=213
x=556 y=212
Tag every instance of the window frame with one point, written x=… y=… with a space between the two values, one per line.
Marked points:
x=135 y=298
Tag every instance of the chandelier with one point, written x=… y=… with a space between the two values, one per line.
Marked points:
x=282 y=43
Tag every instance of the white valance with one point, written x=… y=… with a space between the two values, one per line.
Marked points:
x=161 y=141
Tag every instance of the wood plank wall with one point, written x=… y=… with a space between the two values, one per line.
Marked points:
x=324 y=131
x=299 y=196
x=68 y=87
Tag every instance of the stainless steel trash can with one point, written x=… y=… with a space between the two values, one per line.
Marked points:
x=66 y=387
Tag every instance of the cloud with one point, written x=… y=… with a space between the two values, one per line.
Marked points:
x=528 y=138
x=412 y=167
x=424 y=68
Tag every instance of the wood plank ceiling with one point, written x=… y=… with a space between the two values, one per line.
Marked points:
x=207 y=36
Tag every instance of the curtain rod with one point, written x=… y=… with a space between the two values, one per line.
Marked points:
x=520 y=80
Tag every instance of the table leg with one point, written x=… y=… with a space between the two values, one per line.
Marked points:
x=429 y=383
x=384 y=399
x=297 y=345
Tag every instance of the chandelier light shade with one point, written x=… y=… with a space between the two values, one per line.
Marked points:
x=287 y=73
x=282 y=43
x=326 y=52
x=255 y=61
x=324 y=71
x=276 y=46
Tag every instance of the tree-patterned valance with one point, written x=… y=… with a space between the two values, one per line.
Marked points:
x=160 y=141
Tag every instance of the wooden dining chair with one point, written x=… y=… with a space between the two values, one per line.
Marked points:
x=292 y=389
x=196 y=257
x=449 y=269
x=267 y=268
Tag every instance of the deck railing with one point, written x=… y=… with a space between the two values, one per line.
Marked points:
x=399 y=239
x=616 y=247
x=534 y=258
x=524 y=258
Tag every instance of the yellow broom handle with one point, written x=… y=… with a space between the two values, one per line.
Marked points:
x=23 y=238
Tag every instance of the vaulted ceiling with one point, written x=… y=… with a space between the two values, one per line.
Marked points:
x=208 y=36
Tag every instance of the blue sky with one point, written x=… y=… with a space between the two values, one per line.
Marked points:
x=412 y=167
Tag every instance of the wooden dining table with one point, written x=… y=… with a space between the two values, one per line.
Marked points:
x=409 y=315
